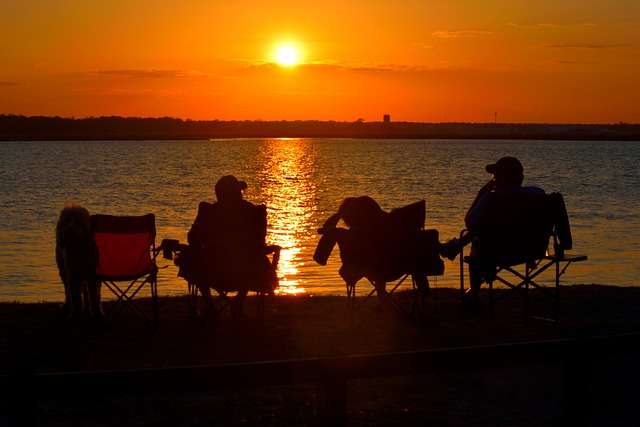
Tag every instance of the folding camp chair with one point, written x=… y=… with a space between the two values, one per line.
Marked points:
x=512 y=246
x=127 y=253
x=224 y=292
x=410 y=252
x=228 y=257
x=352 y=278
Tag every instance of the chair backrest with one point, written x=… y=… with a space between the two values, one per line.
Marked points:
x=125 y=245
x=228 y=249
x=408 y=218
x=515 y=227
x=224 y=229
x=412 y=249
x=401 y=228
x=562 y=228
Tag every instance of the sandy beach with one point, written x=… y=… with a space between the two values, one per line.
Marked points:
x=37 y=338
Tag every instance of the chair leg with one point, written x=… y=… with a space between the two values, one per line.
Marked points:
x=418 y=305
x=351 y=303
x=192 y=300
x=126 y=298
x=154 y=303
x=556 y=294
x=491 y=300
x=260 y=296
x=527 y=281
x=461 y=277
x=462 y=291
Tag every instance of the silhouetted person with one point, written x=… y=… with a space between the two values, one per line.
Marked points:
x=379 y=245
x=362 y=248
x=228 y=245
x=507 y=176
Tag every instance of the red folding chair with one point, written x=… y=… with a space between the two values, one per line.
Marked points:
x=127 y=255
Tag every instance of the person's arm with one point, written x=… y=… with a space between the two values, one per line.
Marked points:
x=330 y=224
x=261 y=225
x=472 y=214
x=194 y=237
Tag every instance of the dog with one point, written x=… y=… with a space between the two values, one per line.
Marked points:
x=76 y=257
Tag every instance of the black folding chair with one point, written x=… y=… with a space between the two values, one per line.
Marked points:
x=513 y=242
x=225 y=293
x=410 y=252
x=214 y=266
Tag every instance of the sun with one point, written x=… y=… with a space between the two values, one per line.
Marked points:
x=287 y=55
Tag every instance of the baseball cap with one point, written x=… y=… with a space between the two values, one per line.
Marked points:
x=506 y=166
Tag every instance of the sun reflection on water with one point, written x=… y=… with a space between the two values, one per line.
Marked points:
x=287 y=187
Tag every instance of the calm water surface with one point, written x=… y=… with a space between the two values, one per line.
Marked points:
x=302 y=181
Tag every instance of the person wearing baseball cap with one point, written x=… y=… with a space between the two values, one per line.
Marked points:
x=229 y=188
x=507 y=168
x=507 y=175
x=228 y=242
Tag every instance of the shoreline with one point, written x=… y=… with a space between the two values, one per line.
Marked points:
x=21 y=128
x=338 y=292
x=36 y=337
x=588 y=308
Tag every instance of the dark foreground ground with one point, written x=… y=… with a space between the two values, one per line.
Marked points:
x=37 y=338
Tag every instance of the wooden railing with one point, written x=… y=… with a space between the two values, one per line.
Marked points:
x=331 y=375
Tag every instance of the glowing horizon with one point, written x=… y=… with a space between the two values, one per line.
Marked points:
x=417 y=61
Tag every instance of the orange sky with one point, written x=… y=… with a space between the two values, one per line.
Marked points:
x=417 y=60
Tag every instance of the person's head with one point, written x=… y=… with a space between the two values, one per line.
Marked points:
x=348 y=208
x=507 y=172
x=228 y=188
x=359 y=210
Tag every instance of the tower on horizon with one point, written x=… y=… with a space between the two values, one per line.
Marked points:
x=386 y=119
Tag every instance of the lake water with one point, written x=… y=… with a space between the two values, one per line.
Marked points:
x=302 y=182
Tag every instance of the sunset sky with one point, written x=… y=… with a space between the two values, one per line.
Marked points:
x=544 y=61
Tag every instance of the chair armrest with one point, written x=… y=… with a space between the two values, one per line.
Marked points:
x=566 y=258
x=275 y=250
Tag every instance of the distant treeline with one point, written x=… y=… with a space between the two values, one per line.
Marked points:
x=20 y=128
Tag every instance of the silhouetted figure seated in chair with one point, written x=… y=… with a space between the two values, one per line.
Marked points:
x=381 y=246
x=502 y=222
x=227 y=249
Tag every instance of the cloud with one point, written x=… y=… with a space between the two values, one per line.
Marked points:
x=153 y=73
x=382 y=68
x=558 y=62
x=516 y=25
x=323 y=65
x=550 y=25
x=359 y=67
x=7 y=84
x=459 y=33
x=326 y=65
x=577 y=46
x=251 y=63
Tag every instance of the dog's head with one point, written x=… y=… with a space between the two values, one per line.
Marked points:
x=74 y=225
